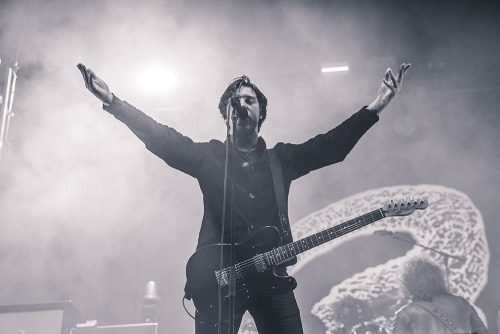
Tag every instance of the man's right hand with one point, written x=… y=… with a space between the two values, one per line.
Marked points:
x=96 y=85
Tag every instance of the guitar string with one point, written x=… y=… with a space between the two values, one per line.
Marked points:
x=249 y=265
x=280 y=254
x=276 y=256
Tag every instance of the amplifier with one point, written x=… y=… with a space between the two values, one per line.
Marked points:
x=145 y=328
x=58 y=317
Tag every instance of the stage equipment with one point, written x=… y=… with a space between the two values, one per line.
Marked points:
x=58 y=317
x=150 y=303
x=146 y=328
x=6 y=100
x=368 y=328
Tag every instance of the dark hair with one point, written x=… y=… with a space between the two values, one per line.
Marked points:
x=422 y=279
x=233 y=87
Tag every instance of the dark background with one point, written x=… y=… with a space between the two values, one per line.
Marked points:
x=88 y=214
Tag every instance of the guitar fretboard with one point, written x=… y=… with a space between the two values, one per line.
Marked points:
x=285 y=252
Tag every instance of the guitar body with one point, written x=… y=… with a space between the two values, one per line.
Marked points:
x=204 y=264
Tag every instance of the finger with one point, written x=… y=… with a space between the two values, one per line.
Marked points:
x=92 y=77
x=86 y=76
x=83 y=70
x=92 y=74
x=403 y=69
x=391 y=87
x=387 y=75
x=393 y=79
x=81 y=67
x=84 y=73
x=96 y=81
x=406 y=68
x=401 y=72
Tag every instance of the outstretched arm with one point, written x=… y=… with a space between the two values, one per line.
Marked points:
x=175 y=149
x=96 y=85
x=389 y=88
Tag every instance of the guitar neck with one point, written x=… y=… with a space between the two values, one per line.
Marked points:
x=285 y=252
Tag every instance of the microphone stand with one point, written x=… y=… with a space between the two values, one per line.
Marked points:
x=232 y=274
x=445 y=256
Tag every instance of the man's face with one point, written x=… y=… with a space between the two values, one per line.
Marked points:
x=248 y=100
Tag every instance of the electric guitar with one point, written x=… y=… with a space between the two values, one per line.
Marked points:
x=257 y=258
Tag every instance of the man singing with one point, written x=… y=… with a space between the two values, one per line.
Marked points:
x=253 y=180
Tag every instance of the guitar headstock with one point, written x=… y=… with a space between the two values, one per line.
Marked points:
x=404 y=206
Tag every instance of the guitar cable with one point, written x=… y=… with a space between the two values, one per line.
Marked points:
x=185 y=309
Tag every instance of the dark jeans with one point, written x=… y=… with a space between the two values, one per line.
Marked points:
x=273 y=314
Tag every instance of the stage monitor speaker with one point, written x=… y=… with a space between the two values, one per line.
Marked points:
x=145 y=328
x=58 y=317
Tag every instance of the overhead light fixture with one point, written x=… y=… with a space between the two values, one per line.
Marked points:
x=156 y=79
x=344 y=68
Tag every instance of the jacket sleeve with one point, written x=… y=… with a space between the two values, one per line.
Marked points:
x=328 y=148
x=178 y=151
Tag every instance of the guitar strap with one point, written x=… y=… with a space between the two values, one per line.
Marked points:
x=440 y=315
x=279 y=190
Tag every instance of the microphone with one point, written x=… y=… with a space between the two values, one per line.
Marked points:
x=241 y=112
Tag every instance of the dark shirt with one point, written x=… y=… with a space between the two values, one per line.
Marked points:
x=254 y=196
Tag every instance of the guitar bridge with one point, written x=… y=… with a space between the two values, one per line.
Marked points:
x=222 y=280
x=260 y=263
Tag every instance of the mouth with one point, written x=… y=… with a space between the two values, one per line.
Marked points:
x=242 y=122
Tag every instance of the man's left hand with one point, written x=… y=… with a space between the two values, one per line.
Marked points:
x=389 y=88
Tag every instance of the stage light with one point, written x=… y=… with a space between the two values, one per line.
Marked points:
x=156 y=80
x=332 y=69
